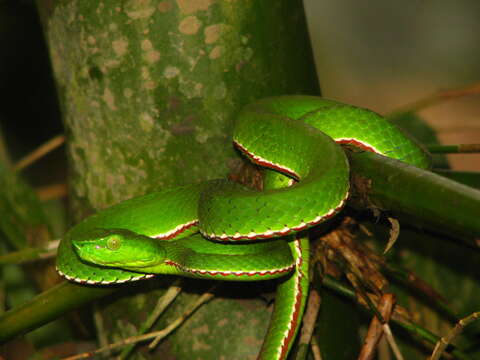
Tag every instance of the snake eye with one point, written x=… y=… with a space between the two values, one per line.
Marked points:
x=113 y=243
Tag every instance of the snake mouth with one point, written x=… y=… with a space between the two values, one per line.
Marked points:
x=80 y=247
x=83 y=250
x=103 y=281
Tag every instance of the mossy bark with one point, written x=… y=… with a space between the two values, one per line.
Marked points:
x=149 y=88
x=148 y=93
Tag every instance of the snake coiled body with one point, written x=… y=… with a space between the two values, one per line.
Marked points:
x=298 y=138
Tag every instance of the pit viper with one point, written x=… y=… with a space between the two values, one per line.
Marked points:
x=222 y=230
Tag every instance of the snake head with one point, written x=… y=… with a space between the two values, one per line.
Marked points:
x=119 y=248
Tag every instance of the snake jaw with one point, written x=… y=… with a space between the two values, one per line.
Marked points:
x=78 y=280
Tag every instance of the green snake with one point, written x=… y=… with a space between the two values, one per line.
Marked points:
x=307 y=182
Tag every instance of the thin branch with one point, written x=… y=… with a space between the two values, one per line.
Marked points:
x=376 y=329
x=162 y=304
x=399 y=319
x=414 y=282
x=392 y=342
x=454 y=149
x=310 y=317
x=317 y=355
x=39 y=152
x=456 y=330
x=30 y=254
x=309 y=321
x=156 y=334
x=54 y=191
x=437 y=98
x=161 y=334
